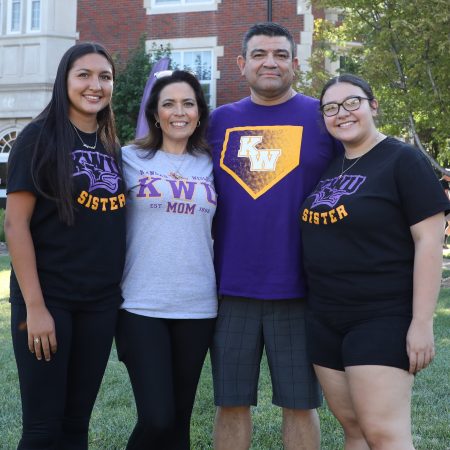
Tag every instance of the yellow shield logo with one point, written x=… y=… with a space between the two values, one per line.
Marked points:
x=259 y=157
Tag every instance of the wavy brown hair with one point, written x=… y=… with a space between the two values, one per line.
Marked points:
x=153 y=141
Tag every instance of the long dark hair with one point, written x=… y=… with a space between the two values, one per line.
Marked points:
x=52 y=161
x=153 y=141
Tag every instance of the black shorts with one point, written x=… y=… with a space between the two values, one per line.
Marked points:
x=340 y=339
x=244 y=328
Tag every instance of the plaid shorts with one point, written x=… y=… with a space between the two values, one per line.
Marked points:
x=244 y=328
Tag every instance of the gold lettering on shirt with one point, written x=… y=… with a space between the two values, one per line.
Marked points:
x=106 y=203
x=324 y=218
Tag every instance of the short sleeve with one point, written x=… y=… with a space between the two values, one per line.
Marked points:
x=20 y=161
x=420 y=191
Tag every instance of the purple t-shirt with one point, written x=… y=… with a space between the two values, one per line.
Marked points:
x=267 y=160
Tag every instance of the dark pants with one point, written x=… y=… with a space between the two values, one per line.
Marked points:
x=58 y=396
x=164 y=358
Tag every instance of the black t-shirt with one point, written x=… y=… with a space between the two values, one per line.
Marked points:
x=358 y=248
x=81 y=264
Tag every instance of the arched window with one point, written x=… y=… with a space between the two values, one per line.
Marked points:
x=6 y=141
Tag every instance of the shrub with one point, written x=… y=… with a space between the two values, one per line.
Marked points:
x=129 y=86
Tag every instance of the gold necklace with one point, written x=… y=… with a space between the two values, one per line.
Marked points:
x=91 y=147
x=379 y=135
x=349 y=167
x=176 y=172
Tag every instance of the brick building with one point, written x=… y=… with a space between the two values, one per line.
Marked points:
x=204 y=35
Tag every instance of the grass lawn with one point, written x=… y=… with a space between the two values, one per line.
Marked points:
x=114 y=412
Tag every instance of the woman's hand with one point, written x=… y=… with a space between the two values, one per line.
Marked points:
x=420 y=345
x=40 y=324
x=427 y=236
x=41 y=332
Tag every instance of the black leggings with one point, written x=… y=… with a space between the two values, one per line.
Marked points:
x=164 y=358
x=58 y=396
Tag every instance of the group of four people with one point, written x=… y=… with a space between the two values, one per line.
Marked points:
x=363 y=221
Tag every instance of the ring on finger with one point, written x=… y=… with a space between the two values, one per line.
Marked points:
x=37 y=340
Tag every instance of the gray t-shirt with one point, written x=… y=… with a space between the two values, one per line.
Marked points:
x=171 y=202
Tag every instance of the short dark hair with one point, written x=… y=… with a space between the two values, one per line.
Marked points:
x=52 y=163
x=351 y=79
x=197 y=141
x=270 y=29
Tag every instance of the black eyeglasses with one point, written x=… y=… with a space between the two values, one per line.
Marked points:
x=349 y=104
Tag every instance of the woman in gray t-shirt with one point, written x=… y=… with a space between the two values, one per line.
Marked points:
x=169 y=288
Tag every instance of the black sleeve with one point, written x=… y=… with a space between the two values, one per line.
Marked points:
x=20 y=160
x=421 y=193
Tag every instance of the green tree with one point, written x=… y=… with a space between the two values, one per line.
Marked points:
x=129 y=86
x=330 y=43
x=402 y=48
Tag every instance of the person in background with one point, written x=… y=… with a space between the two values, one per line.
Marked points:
x=269 y=150
x=65 y=228
x=372 y=232
x=169 y=287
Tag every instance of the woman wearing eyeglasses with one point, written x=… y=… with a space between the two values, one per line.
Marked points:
x=169 y=289
x=373 y=247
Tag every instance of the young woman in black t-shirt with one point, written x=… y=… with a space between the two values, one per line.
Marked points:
x=65 y=228
x=372 y=234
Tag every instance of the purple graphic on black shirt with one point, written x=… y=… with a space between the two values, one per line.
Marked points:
x=101 y=170
x=328 y=192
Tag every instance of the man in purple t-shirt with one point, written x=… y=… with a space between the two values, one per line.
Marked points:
x=269 y=151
